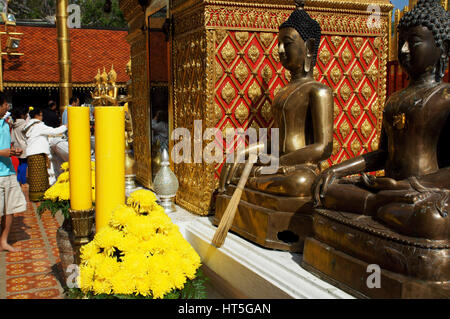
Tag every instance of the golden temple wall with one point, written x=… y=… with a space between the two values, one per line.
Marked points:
x=140 y=106
x=226 y=71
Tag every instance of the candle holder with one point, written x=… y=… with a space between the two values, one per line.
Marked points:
x=82 y=226
x=166 y=184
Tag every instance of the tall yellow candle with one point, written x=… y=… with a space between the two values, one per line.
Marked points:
x=79 y=158
x=109 y=162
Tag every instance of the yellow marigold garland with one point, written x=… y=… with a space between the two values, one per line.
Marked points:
x=141 y=252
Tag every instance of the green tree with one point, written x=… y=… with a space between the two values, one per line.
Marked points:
x=92 y=11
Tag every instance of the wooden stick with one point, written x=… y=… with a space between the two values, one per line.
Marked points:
x=230 y=212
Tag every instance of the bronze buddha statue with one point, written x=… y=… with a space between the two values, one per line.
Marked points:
x=399 y=221
x=303 y=112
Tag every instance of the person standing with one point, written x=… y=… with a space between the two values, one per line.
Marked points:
x=74 y=101
x=50 y=117
x=40 y=168
x=19 y=115
x=12 y=199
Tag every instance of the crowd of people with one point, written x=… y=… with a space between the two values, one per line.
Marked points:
x=25 y=133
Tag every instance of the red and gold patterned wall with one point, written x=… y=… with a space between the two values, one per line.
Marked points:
x=226 y=72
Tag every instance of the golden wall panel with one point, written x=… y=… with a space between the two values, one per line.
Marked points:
x=237 y=72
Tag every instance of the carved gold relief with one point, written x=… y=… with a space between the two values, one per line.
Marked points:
x=346 y=56
x=368 y=55
x=241 y=113
x=357 y=74
x=366 y=129
x=219 y=70
x=228 y=93
x=253 y=53
x=344 y=129
x=254 y=92
x=355 y=147
x=220 y=36
x=242 y=38
x=366 y=91
x=372 y=73
x=356 y=110
x=266 y=39
x=228 y=53
x=267 y=74
x=275 y=54
x=358 y=42
x=288 y=75
x=346 y=91
x=336 y=40
x=266 y=111
x=336 y=74
x=325 y=55
x=336 y=147
x=241 y=72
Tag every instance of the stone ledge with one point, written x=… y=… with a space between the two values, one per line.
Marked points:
x=240 y=269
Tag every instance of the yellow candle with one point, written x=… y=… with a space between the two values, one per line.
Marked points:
x=79 y=158
x=109 y=162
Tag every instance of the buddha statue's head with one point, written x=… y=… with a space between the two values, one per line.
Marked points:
x=424 y=40
x=298 y=41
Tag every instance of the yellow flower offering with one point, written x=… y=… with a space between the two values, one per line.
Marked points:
x=141 y=252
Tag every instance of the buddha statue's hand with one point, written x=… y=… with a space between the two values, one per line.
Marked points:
x=321 y=184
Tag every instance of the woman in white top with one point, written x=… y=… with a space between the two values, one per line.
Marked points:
x=40 y=171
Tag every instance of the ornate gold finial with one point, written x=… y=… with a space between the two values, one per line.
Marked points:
x=112 y=75
x=98 y=77
x=104 y=75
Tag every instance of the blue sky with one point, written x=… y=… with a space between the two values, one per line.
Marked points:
x=399 y=4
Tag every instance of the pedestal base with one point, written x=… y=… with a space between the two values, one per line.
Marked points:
x=276 y=222
x=345 y=244
x=352 y=275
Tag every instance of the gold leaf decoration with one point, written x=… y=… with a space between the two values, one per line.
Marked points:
x=220 y=35
x=373 y=73
x=366 y=129
x=357 y=74
x=241 y=113
x=288 y=75
x=316 y=73
x=266 y=111
x=344 y=129
x=228 y=53
x=266 y=39
x=228 y=93
x=217 y=113
x=346 y=92
x=366 y=91
x=277 y=90
x=219 y=70
x=253 y=53
x=356 y=110
x=275 y=54
x=336 y=74
x=336 y=147
x=336 y=110
x=325 y=55
x=356 y=147
x=267 y=74
x=368 y=55
x=358 y=42
x=375 y=144
x=255 y=125
x=254 y=92
x=337 y=40
x=241 y=72
x=346 y=56
x=227 y=126
x=242 y=38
